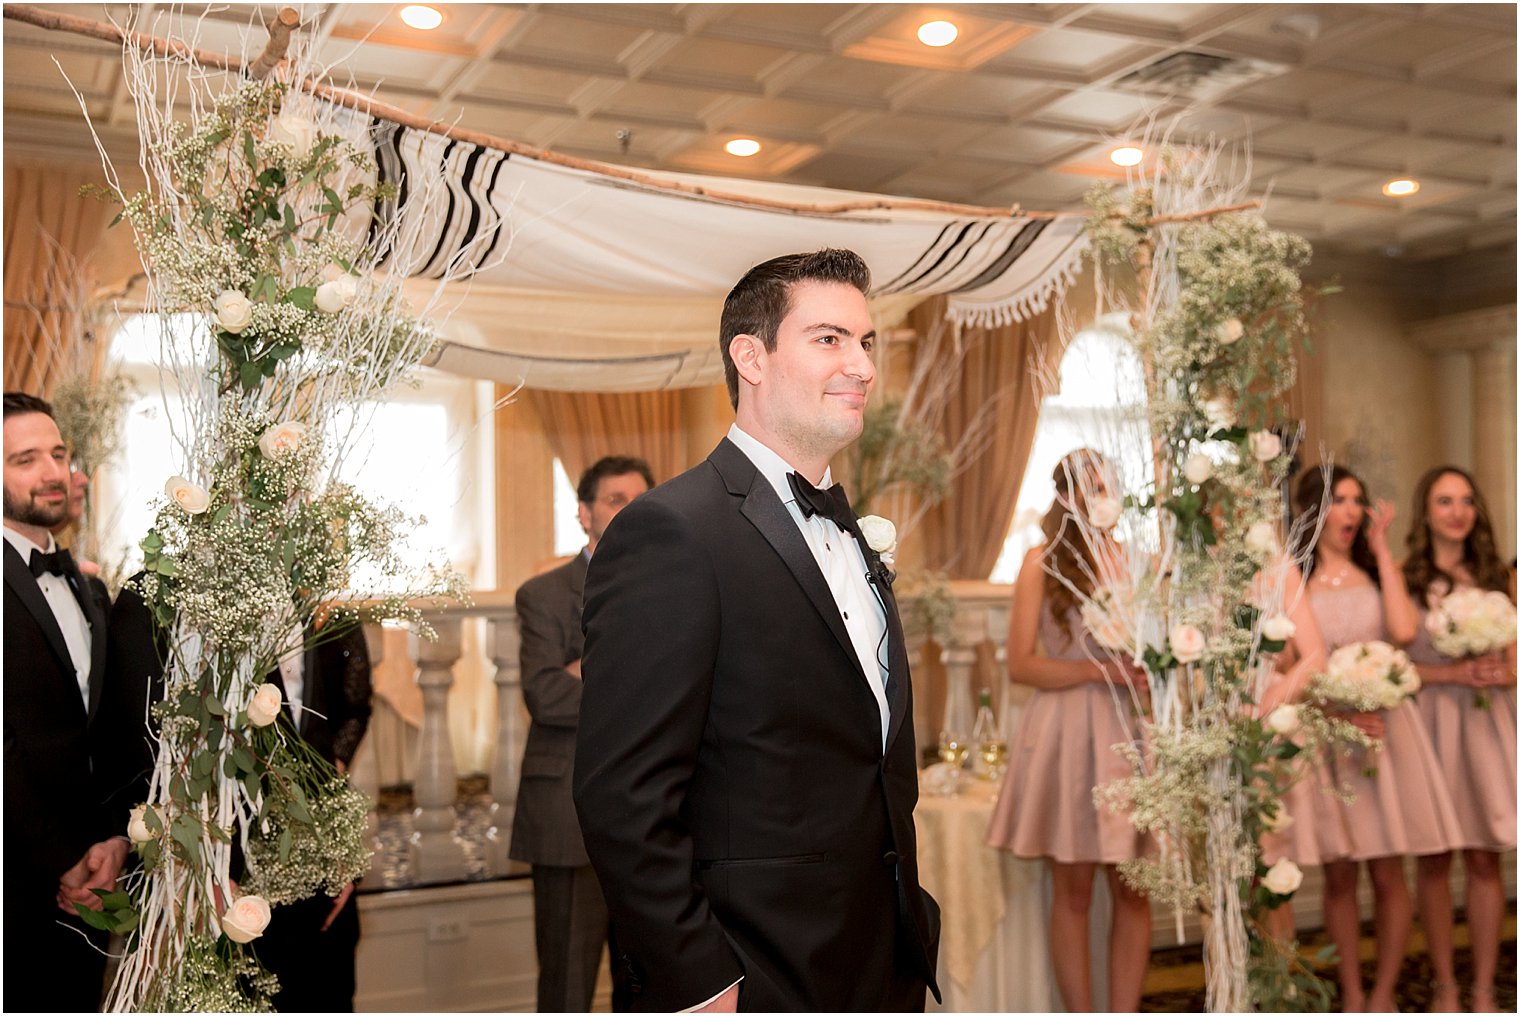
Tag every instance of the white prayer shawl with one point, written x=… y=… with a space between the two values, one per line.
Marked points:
x=587 y=281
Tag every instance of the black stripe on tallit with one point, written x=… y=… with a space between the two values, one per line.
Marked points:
x=383 y=132
x=500 y=219
x=448 y=214
x=1020 y=244
x=939 y=277
x=888 y=287
x=474 y=222
x=908 y=285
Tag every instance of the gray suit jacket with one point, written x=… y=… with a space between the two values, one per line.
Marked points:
x=545 y=829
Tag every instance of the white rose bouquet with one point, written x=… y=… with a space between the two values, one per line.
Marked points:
x=1471 y=622
x=1366 y=677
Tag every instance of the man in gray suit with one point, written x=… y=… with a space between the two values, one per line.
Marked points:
x=569 y=915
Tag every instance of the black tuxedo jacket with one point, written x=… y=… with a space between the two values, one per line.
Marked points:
x=65 y=781
x=729 y=775
x=336 y=694
x=544 y=827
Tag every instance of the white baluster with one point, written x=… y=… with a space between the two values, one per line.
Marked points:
x=959 y=657
x=503 y=641
x=436 y=854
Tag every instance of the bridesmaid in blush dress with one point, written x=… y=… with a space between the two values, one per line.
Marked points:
x=1063 y=748
x=1451 y=546
x=1400 y=805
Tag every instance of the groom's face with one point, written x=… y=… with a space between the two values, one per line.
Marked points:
x=816 y=381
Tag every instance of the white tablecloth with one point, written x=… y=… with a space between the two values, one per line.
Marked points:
x=994 y=953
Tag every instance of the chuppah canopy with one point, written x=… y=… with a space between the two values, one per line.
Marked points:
x=591 y=277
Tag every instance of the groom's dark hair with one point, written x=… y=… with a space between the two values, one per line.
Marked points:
x=756 y=305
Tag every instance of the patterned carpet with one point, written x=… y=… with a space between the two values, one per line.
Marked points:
x=1175 y=980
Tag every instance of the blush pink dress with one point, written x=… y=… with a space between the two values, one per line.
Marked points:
x=1063 y=749
x=1403 y=807
x=1474 y=750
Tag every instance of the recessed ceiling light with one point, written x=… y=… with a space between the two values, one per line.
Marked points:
x=1126 y=156
x=422 y=17
x=937 y=33
x=742 y=147
x=1401 y=188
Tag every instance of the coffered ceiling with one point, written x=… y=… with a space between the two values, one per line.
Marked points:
x=1023 y=107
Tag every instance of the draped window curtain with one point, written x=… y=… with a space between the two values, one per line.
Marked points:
x=584 y=426
x=965 y=532
x=51 y=234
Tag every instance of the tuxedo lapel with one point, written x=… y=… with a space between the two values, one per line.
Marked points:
x=897 y=650
x=765 y=510
x=95 y=614
x=19 y=577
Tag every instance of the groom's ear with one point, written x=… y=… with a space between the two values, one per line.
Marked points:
x=748 y=354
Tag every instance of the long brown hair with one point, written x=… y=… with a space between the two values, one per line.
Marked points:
x=1066 y=552
x=1308 y=498
x=1478 y=551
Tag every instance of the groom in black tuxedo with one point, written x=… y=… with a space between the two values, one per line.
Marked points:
x=745 y=773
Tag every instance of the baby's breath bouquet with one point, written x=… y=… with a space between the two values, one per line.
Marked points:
x=261 y=219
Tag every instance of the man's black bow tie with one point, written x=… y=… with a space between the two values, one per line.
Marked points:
x=59 y=562
x=831 y=503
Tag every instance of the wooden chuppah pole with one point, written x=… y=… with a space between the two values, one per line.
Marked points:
x=366 y=104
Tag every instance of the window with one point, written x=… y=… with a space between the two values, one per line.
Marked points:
x=1100 y=405
x=569 y=537
x=426 y=449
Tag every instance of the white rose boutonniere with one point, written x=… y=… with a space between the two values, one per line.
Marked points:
x=281 y=438
x=234 y=311
x=881 y=536
x=264 y=705
x=246 y=919
x=187 y=495
x=1283 y=878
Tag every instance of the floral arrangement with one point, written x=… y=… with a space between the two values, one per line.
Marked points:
x=1216 y=311
x=1367 y=676
x=1471 y=622
x=262 y=218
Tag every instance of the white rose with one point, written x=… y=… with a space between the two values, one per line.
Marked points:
x=881 y=536
x=187 y=495
x=1277 y=823
x=281 y=438
x=1278 y=628
x=1103 y=512
x=1219 y=413
x=1187 y=643
x=1283 y=878
x=334 y=295
x=246 y=919
x=1283 y=721
x=1265 y=445
x=1261 y=538
x=296 y=131
x=1198 y=468
x=137 y=825
x=264 y=705
x=1228 y=332
x=234 y=311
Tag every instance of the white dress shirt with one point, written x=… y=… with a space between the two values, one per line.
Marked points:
x=66 y=610
x=293 y=675
x=843 y=563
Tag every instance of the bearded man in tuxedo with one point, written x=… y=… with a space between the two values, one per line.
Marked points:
x=66 y=776
x=745 y=772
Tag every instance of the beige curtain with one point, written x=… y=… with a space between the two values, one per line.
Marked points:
x=51 y=233
x=584 y=426
x=964 y=533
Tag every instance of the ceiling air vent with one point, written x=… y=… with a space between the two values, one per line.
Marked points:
x=1193 y=75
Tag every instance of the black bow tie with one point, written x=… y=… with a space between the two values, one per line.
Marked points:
x=831 y=504
x=59 y=562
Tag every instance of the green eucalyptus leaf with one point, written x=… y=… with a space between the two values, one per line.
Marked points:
x=304 y=297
